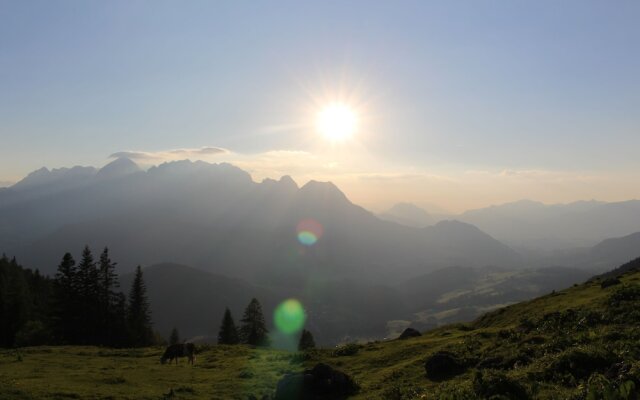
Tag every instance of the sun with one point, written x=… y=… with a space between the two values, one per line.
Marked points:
x=337 y=122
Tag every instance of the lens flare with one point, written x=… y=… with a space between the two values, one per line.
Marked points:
x=309 y=231
x=289 y=317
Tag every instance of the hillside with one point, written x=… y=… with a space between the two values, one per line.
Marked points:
x=572 y=344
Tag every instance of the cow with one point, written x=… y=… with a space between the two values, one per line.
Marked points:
x=179 y=350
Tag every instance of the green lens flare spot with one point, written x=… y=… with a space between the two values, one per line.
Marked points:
x=307 y=238
x=289 y=316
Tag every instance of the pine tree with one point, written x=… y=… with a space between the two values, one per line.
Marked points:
x=139 y=316
x=17 y=302
x=120 y=329
x=89 y=293
x=228 y=333
x=175 y=336
x=306 y=341
x=108 y=297
x=254 y=330
x=66 y=312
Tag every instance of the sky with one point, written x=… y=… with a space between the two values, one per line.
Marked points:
x=460 y=104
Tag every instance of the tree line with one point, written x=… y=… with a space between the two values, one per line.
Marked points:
x=253 y=330
x=81 y=305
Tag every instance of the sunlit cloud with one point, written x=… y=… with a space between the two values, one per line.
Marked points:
x=170 y=155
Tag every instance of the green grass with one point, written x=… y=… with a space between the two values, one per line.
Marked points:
x=539 y=342
x=220 y=372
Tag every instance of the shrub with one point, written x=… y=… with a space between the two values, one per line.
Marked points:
x=580 y=362
x=33 y=333
x=346 y=350
x=443 y=365
x=609 y=282
x=497 y=385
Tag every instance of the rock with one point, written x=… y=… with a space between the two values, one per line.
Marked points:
x=319 y=383
x=443 y=365
x=609 y=282
x=409 y=333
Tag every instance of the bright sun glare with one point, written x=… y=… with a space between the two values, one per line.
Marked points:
x=337 y=122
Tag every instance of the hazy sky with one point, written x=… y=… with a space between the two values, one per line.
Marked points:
x=461 y=103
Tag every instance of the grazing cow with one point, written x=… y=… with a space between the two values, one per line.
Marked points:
x=179 y=350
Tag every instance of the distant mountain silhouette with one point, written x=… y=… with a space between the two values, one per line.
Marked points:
x=408 y=214
x=531 y=224
x=216 y=218
x=615 y=251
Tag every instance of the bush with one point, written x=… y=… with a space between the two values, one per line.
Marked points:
x=609 y=282
x=580 y=362
x=497 y=385
x=33 y=333
x=624 y=305
x=443 y=365
x=346 y=350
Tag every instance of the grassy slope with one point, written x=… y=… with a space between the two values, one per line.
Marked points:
x=384 y=370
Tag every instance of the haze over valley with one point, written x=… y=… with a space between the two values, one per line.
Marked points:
x=214 y=224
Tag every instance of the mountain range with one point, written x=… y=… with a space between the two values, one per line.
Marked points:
x=211 y=237
x=216 y=218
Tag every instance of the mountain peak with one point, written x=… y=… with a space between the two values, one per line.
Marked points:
x=44 y=176
x=119 y=167
x=288 y=181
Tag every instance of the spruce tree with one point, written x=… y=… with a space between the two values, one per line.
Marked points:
x=306 y=341
x=120 y=329
x=175 y=337
x=17 y=303
x=89 y=293
x=228 y=333
x=139 y=316
x=108 y=297
x=254 y=330
x=66 y=304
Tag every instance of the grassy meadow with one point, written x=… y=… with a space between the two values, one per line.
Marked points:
x=559 y=346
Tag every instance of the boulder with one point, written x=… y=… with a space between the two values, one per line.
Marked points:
x=319 y=383
x=409 y=333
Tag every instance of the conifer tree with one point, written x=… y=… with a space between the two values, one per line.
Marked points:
x=254 y=330
x=107 y=297
x=175 y=337
x=228 y=333
x=139 y=316
x=4 y=288
x=66 y=312
x=89 y=293
x=17 y=303
x=120 y=329
x=306 y=341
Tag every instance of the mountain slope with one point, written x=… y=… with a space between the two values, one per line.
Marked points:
x=194 y=301
x=215 y=217
x=408 y=214
x=546 y=348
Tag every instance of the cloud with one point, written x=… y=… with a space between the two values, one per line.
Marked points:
x=171 y=155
